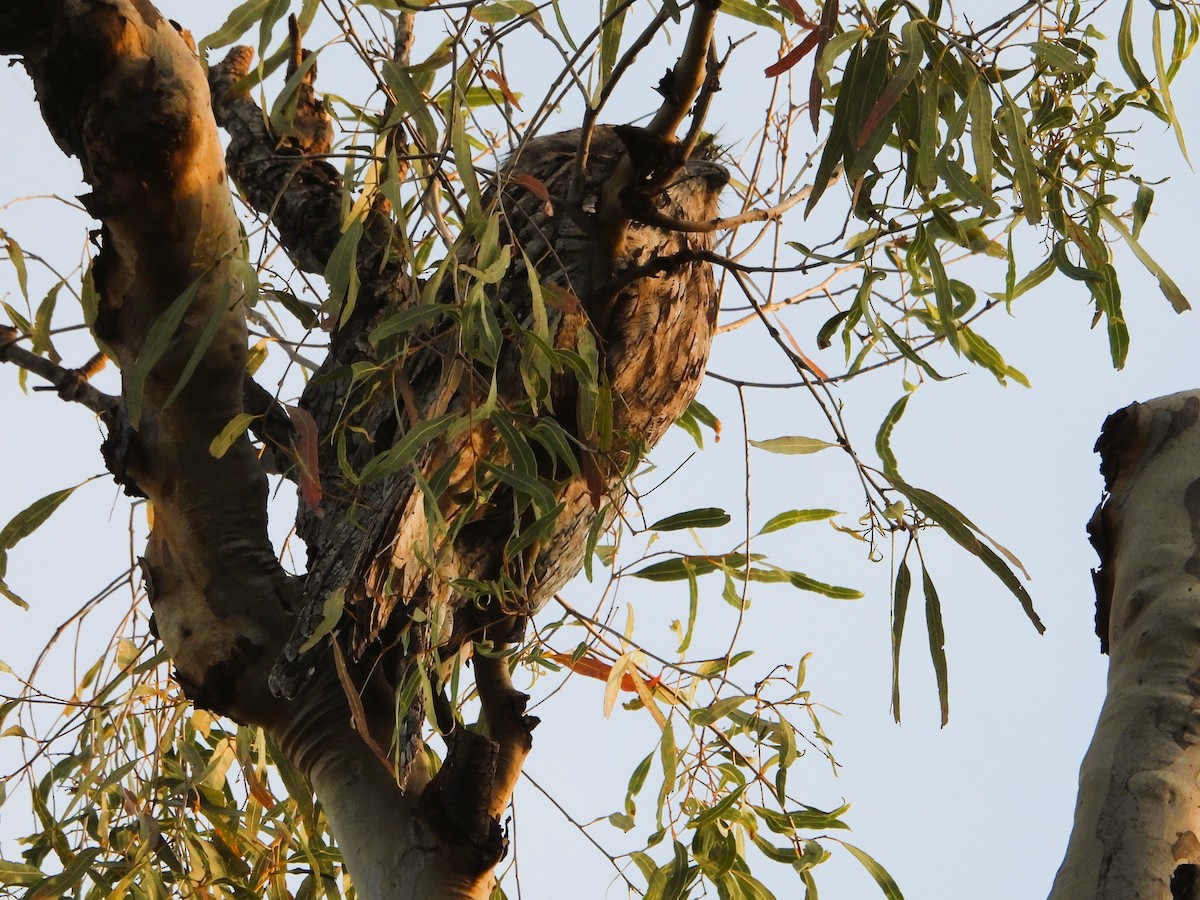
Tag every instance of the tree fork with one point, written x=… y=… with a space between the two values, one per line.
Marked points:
x=122 y=91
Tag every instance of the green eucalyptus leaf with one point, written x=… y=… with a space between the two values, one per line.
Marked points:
x=32 y=517
x=883 y=439
x=793 y=445
x=937 y=644
x=900 y=591
x=706 y=517
x=238 y=22
x=754 y=14
x=792 y=517
x=886 y=883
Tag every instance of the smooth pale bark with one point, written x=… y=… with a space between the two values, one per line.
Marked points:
x=1137 y=823
x=391 y=849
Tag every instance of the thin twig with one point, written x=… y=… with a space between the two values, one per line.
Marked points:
x=790 y=301
x=581 y=828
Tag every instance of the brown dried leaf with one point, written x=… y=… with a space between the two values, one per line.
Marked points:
x=493 y=75
x=306 y=457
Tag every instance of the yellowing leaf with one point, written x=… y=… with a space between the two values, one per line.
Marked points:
x=235 y=428
x=793 y=445
x=613 y=685
x=795 y=517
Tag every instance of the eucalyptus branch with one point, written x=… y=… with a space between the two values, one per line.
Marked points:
x=405 y=35
x=78 y=707
x=683 y=83
x=507 y=723
x=301 y=196
x=592 y=113
x=401 y=56
x=708 y=88
x=71 y=384
x=923 y=345
x=555 y=93
x=289 y=347
x=1004 y=21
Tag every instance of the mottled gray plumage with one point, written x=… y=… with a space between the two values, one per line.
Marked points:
x=426 y=568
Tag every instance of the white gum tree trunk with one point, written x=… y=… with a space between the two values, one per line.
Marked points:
x=1137 y=821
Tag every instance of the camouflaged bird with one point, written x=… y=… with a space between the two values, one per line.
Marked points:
x=507 y=404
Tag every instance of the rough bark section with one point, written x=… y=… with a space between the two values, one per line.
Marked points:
x=302 y=196
x=1137 y=821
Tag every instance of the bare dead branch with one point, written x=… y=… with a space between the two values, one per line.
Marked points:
x=404 y=38
x=591 y=115
x=803 y=295
x=773 y=214
x=708 y=89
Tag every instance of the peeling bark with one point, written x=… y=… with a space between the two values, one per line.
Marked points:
x=1137 y=823
x=121 y=91
x=301 y=195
